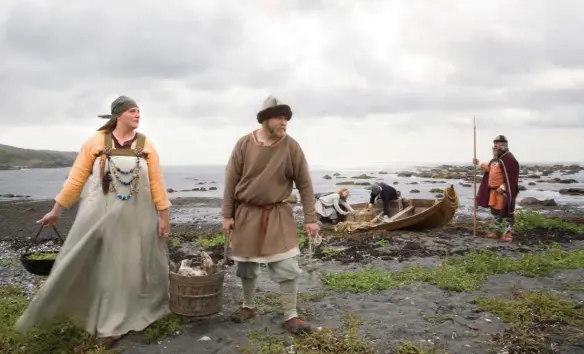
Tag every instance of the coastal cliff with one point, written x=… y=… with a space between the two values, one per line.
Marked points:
x=12 y=158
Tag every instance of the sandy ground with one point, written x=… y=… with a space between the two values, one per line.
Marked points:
x=389 y=316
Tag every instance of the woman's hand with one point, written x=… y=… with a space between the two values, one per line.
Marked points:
x=164 y=224
x=52 y=217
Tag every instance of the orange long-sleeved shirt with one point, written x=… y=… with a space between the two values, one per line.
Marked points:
x=84 y=165
x=496 y=180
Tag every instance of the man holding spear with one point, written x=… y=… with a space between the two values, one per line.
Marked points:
x=499 y=188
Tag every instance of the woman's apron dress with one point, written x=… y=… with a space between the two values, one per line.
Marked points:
x=111 y=275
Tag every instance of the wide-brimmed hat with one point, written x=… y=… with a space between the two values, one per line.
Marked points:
x=273 y=107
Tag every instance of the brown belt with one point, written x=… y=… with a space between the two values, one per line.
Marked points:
x=266 y=209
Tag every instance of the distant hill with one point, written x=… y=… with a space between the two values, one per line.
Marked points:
x=15 y=158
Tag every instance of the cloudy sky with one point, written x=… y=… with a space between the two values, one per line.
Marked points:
x=370 y=82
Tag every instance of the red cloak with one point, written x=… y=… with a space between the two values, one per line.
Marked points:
x=511 y=176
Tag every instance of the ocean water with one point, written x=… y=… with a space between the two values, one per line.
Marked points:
x=46 y=183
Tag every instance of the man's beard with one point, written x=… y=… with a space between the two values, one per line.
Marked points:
x=276 y=132
x=499 y=151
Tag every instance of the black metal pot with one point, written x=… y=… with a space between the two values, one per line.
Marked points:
x=40 y=267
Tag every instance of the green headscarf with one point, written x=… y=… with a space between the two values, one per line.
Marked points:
x=118 y=107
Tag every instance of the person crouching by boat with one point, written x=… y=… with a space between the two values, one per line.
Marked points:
x=499 y=188
x=385 y=193
x=111 y=274
x=333 y=206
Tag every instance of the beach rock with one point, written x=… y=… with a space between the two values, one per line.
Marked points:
x=326 y=177
x=411 y=182
x=562 y=181
x=531 y=184
x=170 y=190
x=439 y=196
x=213 y=188
x=425 y=174
x=383 y=172
x=405 y=174
x=395 y=183
x=336 y=174
x=522 y=188
x=531 y=201
x=436 y=190
x=363 y=176
x=465 y=184
x=572 y=191
x=414 y=191
x=352 y=183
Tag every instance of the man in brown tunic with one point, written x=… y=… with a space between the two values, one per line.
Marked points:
x=259 y=177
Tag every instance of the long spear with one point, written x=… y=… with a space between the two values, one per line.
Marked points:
x=474 y=128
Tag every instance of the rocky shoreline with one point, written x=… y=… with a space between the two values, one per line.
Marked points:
x=530 y=175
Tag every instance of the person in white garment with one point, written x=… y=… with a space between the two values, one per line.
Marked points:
x=331 y=206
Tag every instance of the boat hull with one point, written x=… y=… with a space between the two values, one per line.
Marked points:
x=413 y=214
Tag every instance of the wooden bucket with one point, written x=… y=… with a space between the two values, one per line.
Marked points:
x=196 y=296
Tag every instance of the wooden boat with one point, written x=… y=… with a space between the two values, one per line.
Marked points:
x=405 y=214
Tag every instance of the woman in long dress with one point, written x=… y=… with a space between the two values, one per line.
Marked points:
x=329 y=206
x=111 y=275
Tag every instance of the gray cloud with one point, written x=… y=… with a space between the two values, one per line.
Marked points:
x=61 y=63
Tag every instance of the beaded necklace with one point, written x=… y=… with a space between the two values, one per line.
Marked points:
x=115 y=179
x=120 y=178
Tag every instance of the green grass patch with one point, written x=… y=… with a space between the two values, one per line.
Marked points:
x=458 y=273
x=343 y=340
x=382 y=243
x=574 y=287
x=529 y=220
x=60 y=335
x=300 y=235
x=438 y=318
x=174 y=242
x=538 y=321
x=210 y=241
x=55 y=336
x=170 y=325
x=330 y=253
